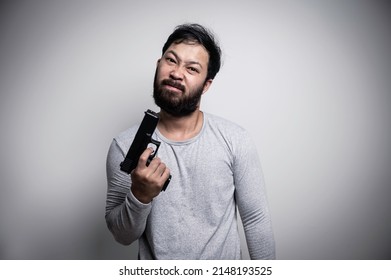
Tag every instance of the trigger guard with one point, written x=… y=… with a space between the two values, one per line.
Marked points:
x=151 y=156
x=157 y=144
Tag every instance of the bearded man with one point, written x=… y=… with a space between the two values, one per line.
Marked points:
x=213 y=162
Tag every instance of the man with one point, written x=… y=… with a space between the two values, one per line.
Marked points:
x=213 y=163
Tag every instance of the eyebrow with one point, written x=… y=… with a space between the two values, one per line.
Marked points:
x=178 y=58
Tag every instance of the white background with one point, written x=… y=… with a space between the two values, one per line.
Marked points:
x=310 y=80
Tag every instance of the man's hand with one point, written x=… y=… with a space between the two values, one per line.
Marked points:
x=148 y=181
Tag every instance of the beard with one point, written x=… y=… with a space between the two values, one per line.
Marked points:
x=173 y=103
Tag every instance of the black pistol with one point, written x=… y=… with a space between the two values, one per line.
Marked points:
x=141 y=141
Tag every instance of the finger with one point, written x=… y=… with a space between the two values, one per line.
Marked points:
x=166 y=174
x=164 y=179
x=142 y=162
x=160 y=169
x=154 y=164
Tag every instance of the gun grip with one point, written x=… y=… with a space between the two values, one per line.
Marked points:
x=166 y=184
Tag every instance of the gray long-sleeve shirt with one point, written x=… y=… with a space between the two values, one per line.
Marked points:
x=195 y=218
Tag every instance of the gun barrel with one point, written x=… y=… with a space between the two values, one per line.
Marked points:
x=141 y=140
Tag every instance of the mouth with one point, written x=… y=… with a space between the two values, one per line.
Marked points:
x=172 y=85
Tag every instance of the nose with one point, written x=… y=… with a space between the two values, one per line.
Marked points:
x=176 y=73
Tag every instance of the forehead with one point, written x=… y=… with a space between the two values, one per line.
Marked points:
x=189 y=52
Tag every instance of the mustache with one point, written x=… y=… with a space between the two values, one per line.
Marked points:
x=174 y=84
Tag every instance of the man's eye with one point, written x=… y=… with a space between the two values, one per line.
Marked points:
x=170 y=60
x=192 y=69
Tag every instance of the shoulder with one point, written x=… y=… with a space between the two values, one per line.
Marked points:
x=224 y=126
x=124 y=139
x=231 y=133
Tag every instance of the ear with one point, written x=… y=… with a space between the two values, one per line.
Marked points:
x=158 y=61
x=207 y=85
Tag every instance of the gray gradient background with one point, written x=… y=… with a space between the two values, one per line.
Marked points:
x=310 y=80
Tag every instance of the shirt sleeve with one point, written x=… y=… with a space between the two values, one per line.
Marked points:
x=126 y=217
x=250 y=195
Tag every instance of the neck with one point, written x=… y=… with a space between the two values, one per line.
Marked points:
x=180 y=128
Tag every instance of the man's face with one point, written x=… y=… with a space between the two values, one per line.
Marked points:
x=180 y=78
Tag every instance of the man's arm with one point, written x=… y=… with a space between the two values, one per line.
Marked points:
x=126 y=216
x=252 y=201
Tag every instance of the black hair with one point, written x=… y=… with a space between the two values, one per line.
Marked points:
x=199 y=34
